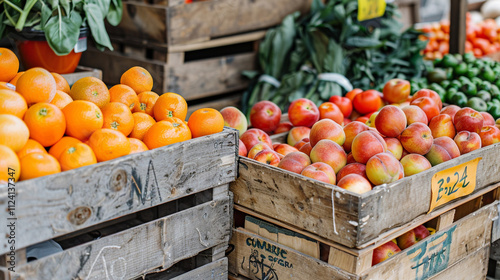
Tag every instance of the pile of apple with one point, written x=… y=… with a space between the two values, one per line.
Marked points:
x=396 y=141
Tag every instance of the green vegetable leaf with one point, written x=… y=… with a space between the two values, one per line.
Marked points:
x=95 y=20
x=66 y=6
x=45 y=16
x=62 y=34
x=102 y=4
x=114 y=15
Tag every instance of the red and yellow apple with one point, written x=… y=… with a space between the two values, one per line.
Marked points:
x=488 y=118
x=326 y=129
x=257 y=148
x=265 y=115
x=320 y=171
x=414 y=164
x=442 y=125
x=468 y=119
x=443 y=149
x=467 y=141
x=396 y=90
x=414 y=114
x=268 y=156
x=450 y=110
x=489 y=135
x=295 y=162
x=384 y=252
x=428 y=106
x=303 y=112
x=413 y=236
x=284 y=149
x=367 y=144
x=330 y=153
x=390 y=121
x=329 y=110
x=352 y=168
x=254 y=136
x=234 y=118
x=355 y=183
x=395 y=147
x=296 y=134
x=428 y=93
x=242 y=149
x=417 y=138
x=351 y=130
x=383 y=168
x=283 y=127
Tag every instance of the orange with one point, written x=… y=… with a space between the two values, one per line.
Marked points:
x=109 y=144
x=46 y=123
x=36 y=85
x=13 y=132
x=124 y=94
x=61 y=83
x=205 y=121
x=36 y=165
x=142 y=123
x=10 y=64
x=82 y=119
x=146 y=103
x=12 y=103
x=61 y=99
x=32 y=146
x=76 y=156
x=166 y=132
x=117 y=116
x=137 y=146
x=9 y=164
x=170 y=105
x=138 y=79
x=9 y=86
x=16 y=77
x=90 y=89
x=61 y=145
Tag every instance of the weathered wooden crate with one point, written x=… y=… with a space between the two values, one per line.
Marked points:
x=340 y=216
x=74 y=202
x=458 y=250
x=175 y=22
x=195 y=71
x=81 y=72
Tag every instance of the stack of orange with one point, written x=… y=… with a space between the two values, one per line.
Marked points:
x=482 y=38
x=47 y=127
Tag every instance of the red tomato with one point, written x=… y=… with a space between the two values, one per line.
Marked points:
x=344 y=104
x=482 y=44
x=368 y=101
x=329 y=110
x=353 y=93
x=477 y=52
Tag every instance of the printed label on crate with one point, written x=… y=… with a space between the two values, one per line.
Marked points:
x=453 y=183
x=370 y=9
x=431 y=256
x=263 y=257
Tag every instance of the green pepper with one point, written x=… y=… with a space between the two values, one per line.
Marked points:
x=477 y=104
x=449 y=61
x=484 y=95
x=497 y=83
x=479 y=63
x=469 y=57
x=463 y=80
x=485 y=85
x=469 y=89
x=494 y=91
x=460 y=69
x=476 y=81
x=455 y=84
x=445 y=84
x=449 y=94
x=436 y=76
x=472 y=72
x=459 y=99
x=488 y=105
x=496 y=101
x=487 y=74
x=495 y=110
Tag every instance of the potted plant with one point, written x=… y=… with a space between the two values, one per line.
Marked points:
x=53 y=33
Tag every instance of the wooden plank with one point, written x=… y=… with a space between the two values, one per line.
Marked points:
x=216 y=270
x=439 y=251
x=458 y=9
x=351 y=263
x=256 y=257
x=81 y=72
x=442 y=221
x=297 y=200
x=55 y=205
x=131 y=253
x=225 y=41
x=474 y=266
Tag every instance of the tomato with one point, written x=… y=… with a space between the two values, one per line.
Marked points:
x=368 y=101
x=477 y=52
x=344 y=104
x=353 y=93
x=482 y=44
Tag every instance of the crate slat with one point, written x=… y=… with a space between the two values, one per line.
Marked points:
x=134 y=252
x=216 y=270
x=473 y=266
x=59 y=204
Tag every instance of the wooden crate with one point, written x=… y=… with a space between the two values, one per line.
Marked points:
x=174 y=22
x=458 y=249
x=217 y=270
x=83 y=199
x=341 y=216
x=195 y=71
x=81 y=72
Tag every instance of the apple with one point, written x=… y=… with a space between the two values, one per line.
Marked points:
x=468 y=119
x=450 y=110
x=384 y=252
x=329 y=152
x=396 y=90
x=414 y=164
x=489 y=135
x=283 y=127
x=242 y=149
x=303 y=112
x=254 y=136
x=301 y=143
x=414 y=114
x=234 y=118
x=443 y=149
x=268 y=156
x=367 y=144
x=257 y=148
x=467 y=141
x=390 y=121
x=326 y=129
x=284 y=149
x=442 y=125
x=329 y=110
x=265 y=115
x=413 y=236
x=344 y=104
x=488 y=118
x=417 y=138
x=383 y=168
x=352 y=168
x=295 y=162
x=320 y=171
x=306 y=149
x=394 y=146
x=428 y=93
x=355 y=183
x=351 y=130
x=428 y=106
x=296 y=134
x=346 y=121
x=371 y=121
x=350 y=159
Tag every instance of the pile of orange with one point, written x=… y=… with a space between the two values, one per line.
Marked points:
x=47 y=127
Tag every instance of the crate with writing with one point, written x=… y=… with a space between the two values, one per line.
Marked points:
x=164 y=212
x=459 y=248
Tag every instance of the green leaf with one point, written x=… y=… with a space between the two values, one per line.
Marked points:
x=66 y=6
x=115 y=12
x=102 y=4
x=362 y=42
x=53 y=3
x=95 y=20
x=45 y=16
x=62 y=34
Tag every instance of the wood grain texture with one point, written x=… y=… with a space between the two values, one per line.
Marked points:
x=297 y=200
x=55 y=205
x=134 y=252
x=177 y=23
x=474 y=266
x=254 y=256
x=216 y=270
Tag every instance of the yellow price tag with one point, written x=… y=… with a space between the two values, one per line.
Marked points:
x=453 y=183
x=369 y=9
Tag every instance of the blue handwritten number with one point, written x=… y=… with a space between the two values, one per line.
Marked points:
x=453 y=189
x=464 y=178
x=440 y=182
